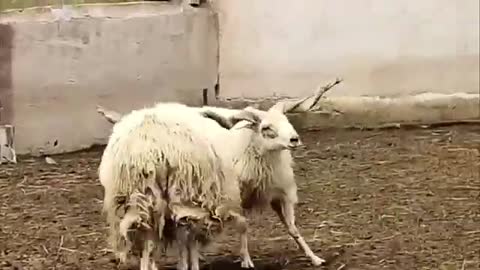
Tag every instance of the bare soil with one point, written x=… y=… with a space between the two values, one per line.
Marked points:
x=391 y=199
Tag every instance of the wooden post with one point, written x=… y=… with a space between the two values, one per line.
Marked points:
x=7 y=151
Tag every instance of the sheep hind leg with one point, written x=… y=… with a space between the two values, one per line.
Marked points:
x=285 y=210
x=147 y=262
x=182 y=243
x=242 y=228
x=193 y=248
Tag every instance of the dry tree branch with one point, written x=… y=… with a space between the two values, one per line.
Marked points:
x=45 y=249
x=59 y=250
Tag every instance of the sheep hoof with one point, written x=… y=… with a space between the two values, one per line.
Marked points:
x=247 y=263
x=317 y=261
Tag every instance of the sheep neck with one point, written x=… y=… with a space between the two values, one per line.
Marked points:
x=255 y=170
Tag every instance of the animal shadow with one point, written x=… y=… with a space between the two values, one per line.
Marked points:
x=229 y=264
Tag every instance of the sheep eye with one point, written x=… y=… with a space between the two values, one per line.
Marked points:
x=269 y=132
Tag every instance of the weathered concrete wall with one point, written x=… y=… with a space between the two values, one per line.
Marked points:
x=379 y=47
x=56 y=66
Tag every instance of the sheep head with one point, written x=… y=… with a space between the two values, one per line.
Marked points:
x=272 y=129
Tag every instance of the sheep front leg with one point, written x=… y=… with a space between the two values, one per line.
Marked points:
x=285 y=210
x=242 y=228
x=244 y=253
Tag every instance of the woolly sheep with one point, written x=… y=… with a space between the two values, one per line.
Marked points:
x=262 y=160
x=157 y=167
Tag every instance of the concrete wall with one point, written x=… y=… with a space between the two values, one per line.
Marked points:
x=56 y=65
x=379 y=47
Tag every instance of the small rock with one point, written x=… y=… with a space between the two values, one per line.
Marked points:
x=50 y=161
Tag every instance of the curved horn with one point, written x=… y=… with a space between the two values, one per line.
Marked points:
x=222 y=121
x=246 y=115
x=296 y=105
x=229 y=122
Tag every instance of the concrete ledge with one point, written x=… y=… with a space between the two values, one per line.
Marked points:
x=99 y=10
x=376 y=111
x=365 y=112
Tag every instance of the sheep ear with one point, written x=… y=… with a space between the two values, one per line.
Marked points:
x=222 y=121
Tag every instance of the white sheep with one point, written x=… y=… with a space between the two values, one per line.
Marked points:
x=260 y=152
x=265 y=173
x=161 y=174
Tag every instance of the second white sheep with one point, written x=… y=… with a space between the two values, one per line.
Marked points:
x=160 y=175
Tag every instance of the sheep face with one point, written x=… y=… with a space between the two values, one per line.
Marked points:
x=274 y=131
x=277 y=133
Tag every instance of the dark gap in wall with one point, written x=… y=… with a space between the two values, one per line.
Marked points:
x=217 y=89
x=205 y=96
x=196 y=3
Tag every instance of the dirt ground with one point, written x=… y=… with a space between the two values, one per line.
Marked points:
x=391 y=199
